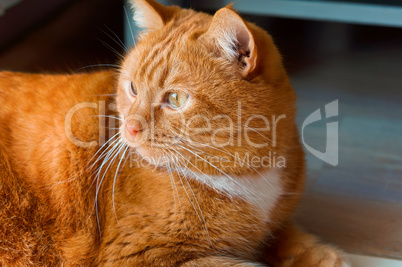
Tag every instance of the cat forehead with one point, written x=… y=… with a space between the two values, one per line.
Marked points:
x=177 y=66
x=178 y=62
x=187 y=25
x=173 y=54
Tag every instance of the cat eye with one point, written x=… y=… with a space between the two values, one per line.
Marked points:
x=176 y=100
x=133 y=91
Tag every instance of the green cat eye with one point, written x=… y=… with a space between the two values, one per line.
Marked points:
x=177 y=99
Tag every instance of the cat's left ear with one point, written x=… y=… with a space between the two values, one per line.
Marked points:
x=151 y=15
x=230 y=34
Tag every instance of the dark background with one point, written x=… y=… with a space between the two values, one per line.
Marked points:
x=62 y=35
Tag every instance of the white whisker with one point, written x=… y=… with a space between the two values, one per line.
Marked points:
x=228 y=153
x=201 y=215
x=107 y=116
x=111 y=154
x=118 y=41
x=178 y=197
x=114 y=181
x=100 y=149
x=111 y=49
x=218 y=169
x=97 y=65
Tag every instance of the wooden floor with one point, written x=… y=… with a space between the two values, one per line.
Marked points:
x=356 y=205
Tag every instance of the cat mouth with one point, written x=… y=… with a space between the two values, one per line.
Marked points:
x=157 y=152
x=162 y=149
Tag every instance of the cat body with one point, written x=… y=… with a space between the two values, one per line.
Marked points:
x=69 y=201
x=55 y=173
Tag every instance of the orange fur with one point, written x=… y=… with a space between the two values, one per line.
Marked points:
x=154 y=215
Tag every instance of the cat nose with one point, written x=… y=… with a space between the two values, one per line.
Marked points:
x=133 y=127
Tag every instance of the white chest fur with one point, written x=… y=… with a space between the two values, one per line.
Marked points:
x=261 y=190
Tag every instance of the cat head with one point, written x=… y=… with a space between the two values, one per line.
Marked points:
x=206 y=91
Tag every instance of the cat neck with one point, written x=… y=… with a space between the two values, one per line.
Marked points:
x=262 y=189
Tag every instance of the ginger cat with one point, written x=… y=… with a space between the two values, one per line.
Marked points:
x=204 y=169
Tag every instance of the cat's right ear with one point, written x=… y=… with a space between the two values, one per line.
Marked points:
x=229 y=34
x=151 y=15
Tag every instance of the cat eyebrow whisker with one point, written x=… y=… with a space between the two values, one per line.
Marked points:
x=111 y=49
x=118 y=41
x=97 y=65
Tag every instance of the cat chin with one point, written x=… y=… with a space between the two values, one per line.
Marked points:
x=154 y=158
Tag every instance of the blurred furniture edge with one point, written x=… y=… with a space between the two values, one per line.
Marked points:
x=19 y=17
x=5 y=4
x=367 y=12
x=383 y=13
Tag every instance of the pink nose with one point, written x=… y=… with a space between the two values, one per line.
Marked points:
x=133 y=127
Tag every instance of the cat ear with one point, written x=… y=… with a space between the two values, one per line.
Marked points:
x=150 y=15
x=230 y=34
